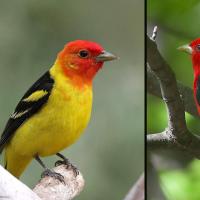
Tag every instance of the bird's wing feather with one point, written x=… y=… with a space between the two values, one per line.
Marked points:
x=198 y=91
x=31 y=102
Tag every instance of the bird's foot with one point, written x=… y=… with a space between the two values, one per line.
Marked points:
x=48 y=172
x=68 y=165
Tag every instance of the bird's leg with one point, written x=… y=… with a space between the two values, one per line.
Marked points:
x=49 y=172
x=66 y=162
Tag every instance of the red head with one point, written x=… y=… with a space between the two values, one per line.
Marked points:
x=82 y=59
x=194 y=49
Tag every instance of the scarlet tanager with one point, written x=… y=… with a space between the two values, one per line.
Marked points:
x=55 y=110
x=194 y=50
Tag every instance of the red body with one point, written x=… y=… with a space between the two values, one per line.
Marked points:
x=195 y=45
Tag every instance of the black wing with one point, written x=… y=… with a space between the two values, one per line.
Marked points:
x=25 y=109
x=198 y=90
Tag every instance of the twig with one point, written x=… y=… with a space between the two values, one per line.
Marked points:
x=154 y=34
x=137 y=191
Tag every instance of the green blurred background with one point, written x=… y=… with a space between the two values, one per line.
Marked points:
x=110 y=154
x=178 y=23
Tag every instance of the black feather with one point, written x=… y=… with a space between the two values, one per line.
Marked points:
x=198 y=90
x=45 y=82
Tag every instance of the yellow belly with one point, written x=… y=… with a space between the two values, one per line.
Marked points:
x=57 y=125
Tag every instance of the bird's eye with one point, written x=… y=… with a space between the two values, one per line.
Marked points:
x=83 y=53
x=198 y=47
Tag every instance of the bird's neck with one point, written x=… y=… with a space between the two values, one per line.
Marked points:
x=75 y=79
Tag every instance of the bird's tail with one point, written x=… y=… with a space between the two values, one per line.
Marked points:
x=1 y=149
x=2 y=143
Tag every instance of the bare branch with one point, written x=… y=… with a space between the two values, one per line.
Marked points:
x=160 y=141
x=137 y=191
x=190 y=145
x=48 y=188
x=12 y=189
x=52 y=189
x=186 y=93
x=177 y=133
x=169 y=90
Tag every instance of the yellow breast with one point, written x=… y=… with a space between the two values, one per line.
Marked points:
x=60 y=121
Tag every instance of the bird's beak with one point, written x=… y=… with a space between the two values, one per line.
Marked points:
x=186 y=48
x=105 y=56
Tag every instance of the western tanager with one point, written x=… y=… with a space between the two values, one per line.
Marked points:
x=55 y=110
x=194 y=50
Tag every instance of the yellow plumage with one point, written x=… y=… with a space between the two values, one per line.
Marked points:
x=53 y=113
x=58 y=124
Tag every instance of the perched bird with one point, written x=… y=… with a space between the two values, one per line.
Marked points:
x=55 y=110
x=194 y=50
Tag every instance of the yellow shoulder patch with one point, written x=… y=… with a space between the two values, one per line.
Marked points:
x=36 y=96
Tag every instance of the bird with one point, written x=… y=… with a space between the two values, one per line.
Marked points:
x=193 y=49
x=55 y=110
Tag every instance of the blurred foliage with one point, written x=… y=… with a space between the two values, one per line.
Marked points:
x=182 y=184
x=177 y=25
x=110 y=154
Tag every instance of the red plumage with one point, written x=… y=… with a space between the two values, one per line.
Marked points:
x=74 y=65
x=194 y=50
x=195 y=54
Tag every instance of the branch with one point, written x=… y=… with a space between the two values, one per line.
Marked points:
x=52 y=189
x=12 y=189
x=48 y=188
x=169 y=90
x=137 y=190
x=186 y=93
x=176 y=133
x=168 y=140
x=160 y=141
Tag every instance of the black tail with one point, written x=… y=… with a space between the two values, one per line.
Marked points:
x=1 y=149
x=1 y=146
